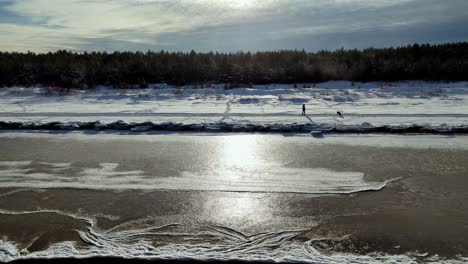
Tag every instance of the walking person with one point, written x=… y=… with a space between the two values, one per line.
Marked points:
x=303 y=109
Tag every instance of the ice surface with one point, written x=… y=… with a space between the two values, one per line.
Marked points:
x=258 y=178
x=420 y=141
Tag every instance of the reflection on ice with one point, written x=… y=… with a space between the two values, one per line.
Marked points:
x=244 y=165
x=235 y=164
x=240 y=151
x=237 y=207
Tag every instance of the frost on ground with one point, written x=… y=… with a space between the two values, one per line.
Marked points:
x=442 y=106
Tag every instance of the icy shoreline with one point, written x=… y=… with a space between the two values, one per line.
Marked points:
x=364 y=128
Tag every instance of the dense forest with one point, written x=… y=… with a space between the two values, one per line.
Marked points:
x=136 y=69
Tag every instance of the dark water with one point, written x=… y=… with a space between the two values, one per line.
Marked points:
x=251 y=197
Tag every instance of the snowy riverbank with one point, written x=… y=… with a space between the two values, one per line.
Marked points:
x=400 y=107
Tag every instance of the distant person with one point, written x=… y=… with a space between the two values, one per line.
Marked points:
x=303 y=109
x=339 y=114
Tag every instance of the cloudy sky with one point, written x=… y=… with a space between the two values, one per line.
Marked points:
x=227 y=25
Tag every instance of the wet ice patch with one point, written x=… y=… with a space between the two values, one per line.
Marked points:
x=14 y=164
x=56 y=165
x=276 y=179
x=225 y=177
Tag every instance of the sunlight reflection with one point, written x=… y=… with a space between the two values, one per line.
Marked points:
x=238 y=207
x=240 y=151
x=239 y=163
x=241 y=4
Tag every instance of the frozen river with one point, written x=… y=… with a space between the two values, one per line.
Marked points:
x=278 y=197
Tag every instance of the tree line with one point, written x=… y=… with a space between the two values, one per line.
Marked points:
x=69 y=69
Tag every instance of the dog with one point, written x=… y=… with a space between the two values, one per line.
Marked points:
x=339 y=114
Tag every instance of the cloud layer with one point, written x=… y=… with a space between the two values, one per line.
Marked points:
x=227 y=25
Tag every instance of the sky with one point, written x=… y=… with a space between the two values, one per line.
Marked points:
x=227 y=25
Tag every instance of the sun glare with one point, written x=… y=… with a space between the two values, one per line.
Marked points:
x=239 y=151
x=241 y=4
